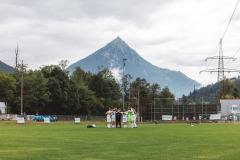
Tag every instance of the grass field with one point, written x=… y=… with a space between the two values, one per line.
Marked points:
x=66 y=140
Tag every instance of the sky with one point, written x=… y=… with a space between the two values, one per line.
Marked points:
x=174 y=34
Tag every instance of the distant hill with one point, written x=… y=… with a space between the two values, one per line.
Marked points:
x=111 y=56
x=209 y=92
x=6 y=68
x=205 y=94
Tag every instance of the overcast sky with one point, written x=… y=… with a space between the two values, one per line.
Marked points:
x=173 y=34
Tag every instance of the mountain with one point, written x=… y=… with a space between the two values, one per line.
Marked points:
x=111 y=56
x=6 y=68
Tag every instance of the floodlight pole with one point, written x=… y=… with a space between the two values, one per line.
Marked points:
x=123 y=80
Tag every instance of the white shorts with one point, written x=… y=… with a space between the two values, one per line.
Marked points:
x=134 y=117
x=113 y=117
x=124 y=118
x=108 y=118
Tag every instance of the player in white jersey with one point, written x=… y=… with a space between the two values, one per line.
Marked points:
x=187 y=119
x=124 y=113
x=109 y=119
x=200 y=119
x=134 y=118
x=113 y=114
x=175 y=119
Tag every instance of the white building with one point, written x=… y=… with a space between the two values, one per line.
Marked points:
x=2 y=108
x=226 y=105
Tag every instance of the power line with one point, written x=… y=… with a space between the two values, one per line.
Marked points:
x=221 y=69
x=234 y=55
x=230 y=20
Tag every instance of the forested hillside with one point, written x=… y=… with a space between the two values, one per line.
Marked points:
x=210 y=93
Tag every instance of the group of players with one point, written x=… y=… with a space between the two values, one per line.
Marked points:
x=115 y=115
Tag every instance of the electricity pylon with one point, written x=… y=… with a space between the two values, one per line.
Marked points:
x=220 y=70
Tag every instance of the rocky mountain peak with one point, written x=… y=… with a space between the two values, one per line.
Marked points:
x=111 y=56
x=118 y=41
x=119 y=45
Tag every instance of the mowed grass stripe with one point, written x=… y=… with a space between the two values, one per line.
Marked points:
x=66 y=140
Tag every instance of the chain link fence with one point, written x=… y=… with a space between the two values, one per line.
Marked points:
x=59 y=117
x=82 y=117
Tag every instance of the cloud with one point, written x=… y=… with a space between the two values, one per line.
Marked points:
x=172 y=34
x=117 y=73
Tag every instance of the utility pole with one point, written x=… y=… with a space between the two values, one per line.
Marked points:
x=16 y=53
x=22 y=91
x=123 y=81
x=220 y=70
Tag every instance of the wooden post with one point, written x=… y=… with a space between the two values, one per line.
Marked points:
x=16 y=53
x=22 y=91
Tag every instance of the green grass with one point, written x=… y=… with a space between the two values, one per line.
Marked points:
x=66 y=140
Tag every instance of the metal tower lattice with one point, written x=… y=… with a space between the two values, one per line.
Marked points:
x=220 y=70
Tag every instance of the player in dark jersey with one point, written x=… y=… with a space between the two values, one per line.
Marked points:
x=118 y=118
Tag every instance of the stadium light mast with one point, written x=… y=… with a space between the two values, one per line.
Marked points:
x=123 y=80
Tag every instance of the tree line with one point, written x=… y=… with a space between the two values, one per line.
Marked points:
x=52 y=90
x=225 y=89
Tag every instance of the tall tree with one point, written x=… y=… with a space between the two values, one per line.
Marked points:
x=227 y=89
x=7 y=87
x=106 y=88
x=63 y=64
x=36 y=96
x=166 y=96
x=86 y=97
x=154 y=91
x=185 y=99
x=144 y=87
x=62 y=92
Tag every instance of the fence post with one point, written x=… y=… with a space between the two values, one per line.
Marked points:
x=161 y=111
x=183 y=110
x=206 y=111
x=178 y=110
x=154 y=113
x=194 y=110
x=172 y=110
x=151 y=112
